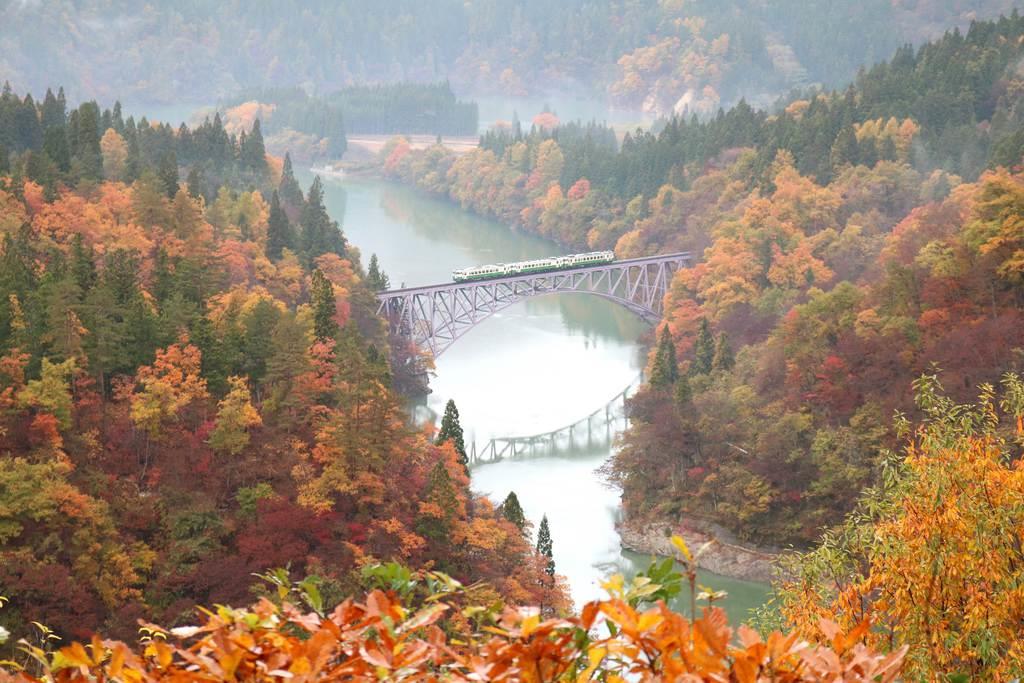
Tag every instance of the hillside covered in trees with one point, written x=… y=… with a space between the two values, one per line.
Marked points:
x=314 y=128
x=661 y=55
x=194 y=387
x=846 y=244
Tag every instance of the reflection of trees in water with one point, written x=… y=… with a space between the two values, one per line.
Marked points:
x=592 y=435
x=590 y=316
x=442 y=221
x=582 y=444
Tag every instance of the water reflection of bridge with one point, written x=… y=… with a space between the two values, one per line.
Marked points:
x=586 y=436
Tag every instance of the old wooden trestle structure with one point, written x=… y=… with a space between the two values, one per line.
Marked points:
x=595 y=431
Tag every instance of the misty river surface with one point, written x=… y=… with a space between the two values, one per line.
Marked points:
x=535 y=367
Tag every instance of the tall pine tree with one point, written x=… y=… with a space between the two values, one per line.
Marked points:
x=279 y=230
x=511 y=510
x=168 y=172
x=724 y=357
x=291 y=193
x=376 y=279
x=195 y=183
x=320 y=235
x=451 y=430
x=253 y=154
x=703 y=350
x=665 y=371
x=545 y=546
x=321 y=296
x=442 y=493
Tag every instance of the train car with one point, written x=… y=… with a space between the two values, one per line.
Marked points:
x=541 y=265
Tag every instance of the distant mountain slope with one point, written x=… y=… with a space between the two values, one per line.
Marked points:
x=655 y=54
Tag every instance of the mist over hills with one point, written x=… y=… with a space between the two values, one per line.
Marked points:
x=660 y=55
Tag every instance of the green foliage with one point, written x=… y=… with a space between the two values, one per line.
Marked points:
x=291 y=193
x=280 y=235
x=376 y=279
x=683 y=393
x=322 y=300
x=703 y=350
x=248 y=497
x=545 y=546
x=436 y=525
x=51 y=393
x=235 y=417
x=511 y=510
x=665 y=370
x=168 y=173
x=319 y=234
x=409 y=108
x=666 y=579
x=724 y=359
x=451 y=430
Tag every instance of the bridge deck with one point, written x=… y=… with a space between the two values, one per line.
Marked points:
x=425 y=289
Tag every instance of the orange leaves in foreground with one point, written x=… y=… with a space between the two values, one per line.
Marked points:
x=382 y=639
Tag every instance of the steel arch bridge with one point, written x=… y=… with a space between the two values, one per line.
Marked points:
x=436 y=316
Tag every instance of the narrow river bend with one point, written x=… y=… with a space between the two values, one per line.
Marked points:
x=537 y=366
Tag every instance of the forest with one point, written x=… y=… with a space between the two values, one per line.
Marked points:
x=314 y=128
x=194 y=388
x=848 y=243
x=658 y=55
x=208 y=466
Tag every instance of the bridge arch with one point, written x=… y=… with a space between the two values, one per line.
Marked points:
x=436 y=316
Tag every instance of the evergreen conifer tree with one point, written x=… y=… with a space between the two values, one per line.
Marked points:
x=320 y=235
x=545 y=546
x=291 y=193
x=55 y=146
x=27 y=131
x=703 y=350
x=887 y=149
x=253 y=153
x=511 y=510
x=195 y=183
x=724 y=358
x=452 y=430
x=376 y=279
x=844 y=150
x=279 y=230
x=321 y=296
x=666 y=370
x=168 y=172
x=682 y=394
x=441 y=492
x=53 y=113
x=117 y=118
x=86 y=143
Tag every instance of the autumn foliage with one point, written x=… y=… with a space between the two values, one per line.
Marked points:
x=180 y=409
x=933 y=555
x=444 y=639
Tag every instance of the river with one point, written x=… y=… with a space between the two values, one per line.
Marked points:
x=535 y=367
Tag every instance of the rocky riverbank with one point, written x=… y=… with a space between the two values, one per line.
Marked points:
x=724 y=556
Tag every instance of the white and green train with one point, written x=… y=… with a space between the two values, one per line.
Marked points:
x=540 y=265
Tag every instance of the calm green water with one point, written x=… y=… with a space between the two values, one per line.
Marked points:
x=536 y=367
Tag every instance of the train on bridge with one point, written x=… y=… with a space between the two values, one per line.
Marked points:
x=541 y=265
